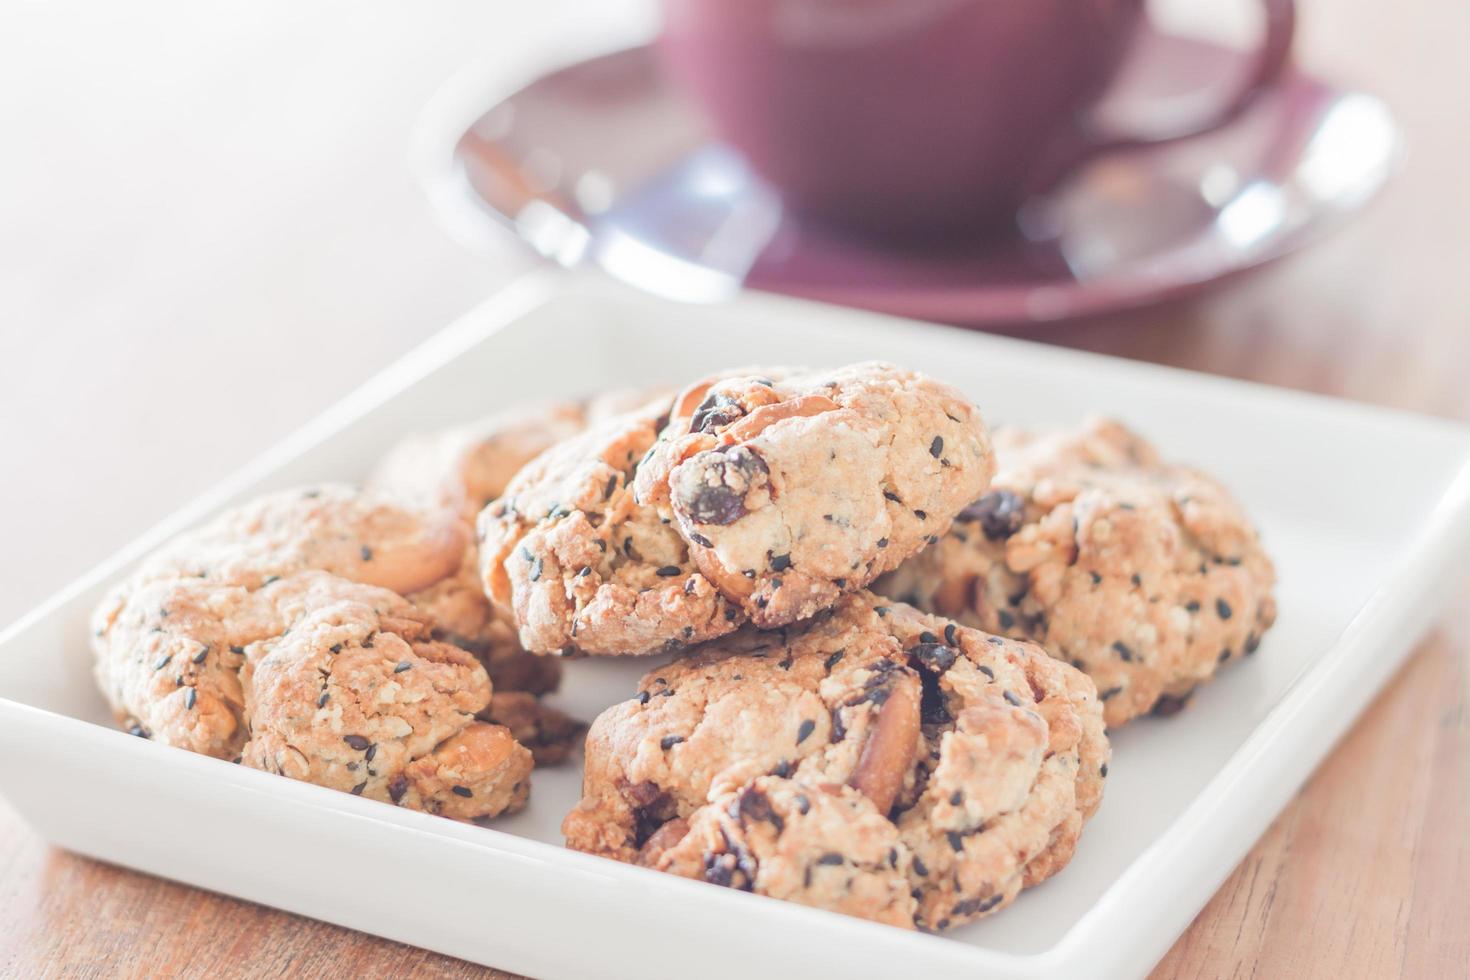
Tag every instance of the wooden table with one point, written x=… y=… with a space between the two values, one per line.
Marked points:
x=1362 y=875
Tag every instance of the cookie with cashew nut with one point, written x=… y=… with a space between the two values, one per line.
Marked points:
x=1147 y=575
x=318 y=678
x=459 y=470
x=464 y=467
x=191 y=651
x=875 y=761
x=363 y=535
x=757 y=497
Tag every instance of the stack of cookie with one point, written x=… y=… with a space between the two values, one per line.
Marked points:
x=884 y=663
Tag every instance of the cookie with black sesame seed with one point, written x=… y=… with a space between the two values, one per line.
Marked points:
x=364 y=535
x=174 y=642
x=874 y=760
x=1145 y=574
x=464 y=467
x=581 y=566
x=760 y=497
x=317 y=678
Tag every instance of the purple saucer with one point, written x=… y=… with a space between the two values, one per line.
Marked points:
x=602 y=162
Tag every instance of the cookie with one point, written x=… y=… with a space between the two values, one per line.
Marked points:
x=757 y=498
x=460 y=470
x=314 y=677
x=1147 y=575
x=465 y=467
x=426 y=555
x=215 y=643
x=875 y=761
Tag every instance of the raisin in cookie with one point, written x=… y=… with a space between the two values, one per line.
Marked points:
x=1144 y=574
x=757 y=498
x=875 y=761
x=315 y=677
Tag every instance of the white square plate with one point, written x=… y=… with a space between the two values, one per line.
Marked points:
x=1366 y=511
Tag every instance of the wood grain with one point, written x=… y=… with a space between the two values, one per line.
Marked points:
x=1364 y=873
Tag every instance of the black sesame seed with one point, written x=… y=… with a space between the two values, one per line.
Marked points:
x=357 y=790
x=803 y=804
x=1223 y=609
x=890 y=495
x=831 y=857
x=881 y=611
x=163 y=662
x=956 y=842
x=1137 y=581
x=643 y=697
x=321 y=702
x=805 y=729
x=919 y=868
x=668 y=571
x=779 y=563
x=783 y=769
x=198 y=658
x=1096 y=578
x=612 y=484
x=464 y=791
x=356 y=742
x=669 y=741
x=397 y=787
x=927 y=637
x=1005 y=619
x=951 y=635
x=1011 y=698
x=372 y=750
x=1123 y=650
x=1224 y=655
x=367 y=553
x=1109 y=693
x=987 y=671
x=702 y=541
x=239 y=650
x=190 y=698
x=882 y=542
x=936 y=447
x=921 y=515
x=832 y=659
x=402 y=666
x=335 y=648
x=1192 y=606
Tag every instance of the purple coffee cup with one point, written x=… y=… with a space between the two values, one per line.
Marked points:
x=904 y=115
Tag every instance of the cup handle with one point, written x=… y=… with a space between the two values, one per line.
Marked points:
x=1271 y=59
